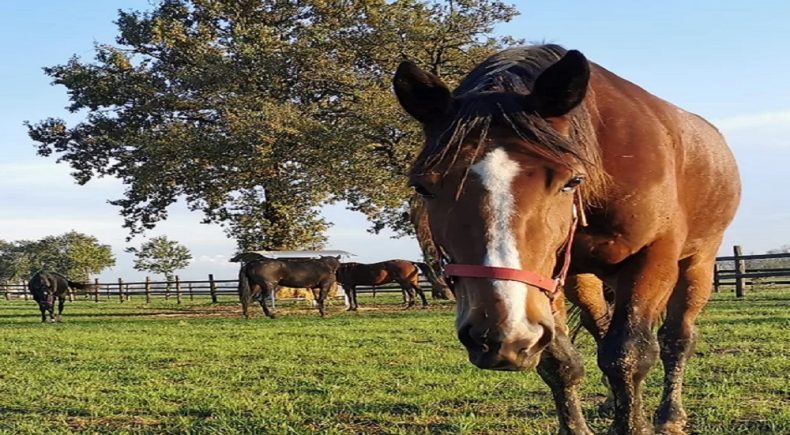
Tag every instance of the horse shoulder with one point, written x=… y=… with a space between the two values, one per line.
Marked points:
x=641 y=148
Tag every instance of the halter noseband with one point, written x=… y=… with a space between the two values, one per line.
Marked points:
x=549 y=286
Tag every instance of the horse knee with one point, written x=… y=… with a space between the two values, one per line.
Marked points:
x=562 y=363
x=627 y=355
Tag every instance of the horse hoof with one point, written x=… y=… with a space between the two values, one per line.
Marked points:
x=670 y=421
x=671 y=428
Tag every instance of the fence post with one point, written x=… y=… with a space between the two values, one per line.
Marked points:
x=96 y=290
x=120 y=289
x=740 y=270
x=716 y=277
x=167 y=287
x=212 y=288
x=178 y=290
x=191 y=296
x=147 y=289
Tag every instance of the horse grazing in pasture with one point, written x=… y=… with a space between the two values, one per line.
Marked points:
x=405 y=273
x=46 y=287
x=533 y=141
x=259 y=279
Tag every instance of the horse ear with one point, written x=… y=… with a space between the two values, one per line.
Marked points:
x=561 y=87
x=421 y=93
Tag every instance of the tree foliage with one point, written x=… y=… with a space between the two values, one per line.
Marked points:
x=73 y=254
x=258 y=112
x=161 y=256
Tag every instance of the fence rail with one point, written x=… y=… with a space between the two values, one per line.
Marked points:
x=175 y=289
x=743 y=271
x=735 y=270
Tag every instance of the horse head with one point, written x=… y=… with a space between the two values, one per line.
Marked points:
x=498 y=175
x=332 y=261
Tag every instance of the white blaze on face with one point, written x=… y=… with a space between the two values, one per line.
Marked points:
x=497 y=172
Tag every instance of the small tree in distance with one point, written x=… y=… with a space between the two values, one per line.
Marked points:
x=161 y=256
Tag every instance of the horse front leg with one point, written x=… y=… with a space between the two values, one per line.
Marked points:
x=629 y=349
x=586 y=291
x=61 y=303
x=561 y=368
x=268 y=292
x=322 y=294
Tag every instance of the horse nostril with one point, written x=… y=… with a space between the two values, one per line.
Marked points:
x=474 y=339
x=465 y=336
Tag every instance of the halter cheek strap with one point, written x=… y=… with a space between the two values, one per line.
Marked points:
x=550 y=286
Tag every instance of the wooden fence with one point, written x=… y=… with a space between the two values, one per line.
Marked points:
x=742 y=271
x=739 y=271
x=177 y=289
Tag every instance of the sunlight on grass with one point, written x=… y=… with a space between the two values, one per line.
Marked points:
x=113 y=367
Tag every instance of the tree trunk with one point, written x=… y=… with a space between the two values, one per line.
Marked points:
x=419 y=218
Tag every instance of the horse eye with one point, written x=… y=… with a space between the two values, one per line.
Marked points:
x=572 y=183
x=419 y=189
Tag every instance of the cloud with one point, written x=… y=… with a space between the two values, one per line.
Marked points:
x=767 y=132
x=48 y=174
x=754 y=120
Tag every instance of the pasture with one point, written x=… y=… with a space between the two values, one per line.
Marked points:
x=199 y=367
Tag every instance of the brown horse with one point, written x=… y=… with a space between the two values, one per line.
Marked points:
x=531 y=142
x=405 y=273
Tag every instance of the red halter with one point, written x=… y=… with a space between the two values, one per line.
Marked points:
x=550 y=286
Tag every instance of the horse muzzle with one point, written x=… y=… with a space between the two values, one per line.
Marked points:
x=488 y=351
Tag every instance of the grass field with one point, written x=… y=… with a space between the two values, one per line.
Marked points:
x=198 y=368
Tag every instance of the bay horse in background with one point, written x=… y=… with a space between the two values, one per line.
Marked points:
x=533 y=141
x=48 y=286
x=405 y=273
x=259 y=279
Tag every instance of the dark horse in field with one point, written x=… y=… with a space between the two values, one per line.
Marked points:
x=46 y=287
x=260 y=279
x=405 y=273
x=533 y=141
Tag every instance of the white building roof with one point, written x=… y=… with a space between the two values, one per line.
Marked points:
x=292 y=254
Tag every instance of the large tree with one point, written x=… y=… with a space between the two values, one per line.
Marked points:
x=73 y=254
x=258 y=112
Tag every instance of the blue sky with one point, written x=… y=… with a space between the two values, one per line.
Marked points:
x=725 y=60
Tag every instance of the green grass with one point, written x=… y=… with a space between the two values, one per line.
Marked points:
x=129 y=368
